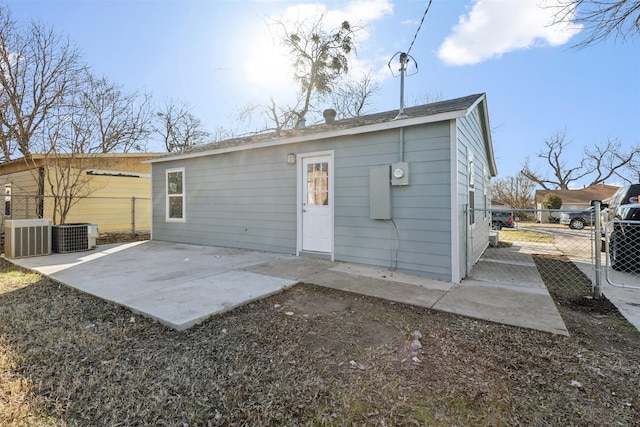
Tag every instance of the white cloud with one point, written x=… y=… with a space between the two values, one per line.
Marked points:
x=267 y=64
x=495 y=27
x=357 y=12
x=367 y=10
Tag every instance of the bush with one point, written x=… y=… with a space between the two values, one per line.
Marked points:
x=551 y=201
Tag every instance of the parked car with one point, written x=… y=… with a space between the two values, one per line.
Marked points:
x=624 y=238
x=577 y=220
x=501 y=219
x=623 y=196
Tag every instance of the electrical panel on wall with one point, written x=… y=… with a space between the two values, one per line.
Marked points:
x=400 y=173
x=379 y=192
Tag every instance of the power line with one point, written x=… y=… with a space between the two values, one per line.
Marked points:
x=419 y=27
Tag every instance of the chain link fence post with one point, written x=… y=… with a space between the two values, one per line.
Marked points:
x=133 y=215
x=597 y=244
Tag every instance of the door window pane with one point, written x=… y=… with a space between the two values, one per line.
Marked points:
x=318 y=184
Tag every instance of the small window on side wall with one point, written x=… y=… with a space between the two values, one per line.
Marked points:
x=175 y=193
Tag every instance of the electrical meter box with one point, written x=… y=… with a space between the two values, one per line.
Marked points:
x=400 y=173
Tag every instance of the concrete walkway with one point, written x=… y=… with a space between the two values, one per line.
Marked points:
x=182 y=285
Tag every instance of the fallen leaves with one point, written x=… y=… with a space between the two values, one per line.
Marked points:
x=306 y=356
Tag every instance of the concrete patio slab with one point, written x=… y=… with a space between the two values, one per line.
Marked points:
x=292 y=267
x=525 y=275
x=178 y=285
x=182 y=285
x=498 y=304
x=392 y=291
x=500 y=299
x=392 y=276
x=186 y=304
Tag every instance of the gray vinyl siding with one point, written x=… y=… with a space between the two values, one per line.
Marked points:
x=462 y=200
x=420 y=211
x=247 y=199
x=471 y=140
x=240 y=199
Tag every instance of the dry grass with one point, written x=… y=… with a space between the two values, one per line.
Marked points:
x=525 y=236
x=308 y=356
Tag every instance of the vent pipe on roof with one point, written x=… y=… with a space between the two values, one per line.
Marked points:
x=329 y=116
x=302 y=122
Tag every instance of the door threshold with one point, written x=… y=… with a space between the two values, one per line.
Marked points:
x=312 y=254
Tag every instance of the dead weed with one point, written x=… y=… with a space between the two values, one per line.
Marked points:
x=307 y=356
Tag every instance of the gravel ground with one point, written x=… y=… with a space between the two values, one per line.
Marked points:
x=307 y=356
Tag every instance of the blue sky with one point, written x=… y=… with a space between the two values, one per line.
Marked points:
x=217 y=56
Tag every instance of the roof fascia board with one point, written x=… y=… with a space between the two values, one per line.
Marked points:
x=481 y=103
x=39 y=156
x=394 y=124
x=481 y=99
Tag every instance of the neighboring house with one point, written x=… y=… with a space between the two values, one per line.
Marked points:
x=109 y=180
x=574 y=200
x=496 y=204
x=376 y=189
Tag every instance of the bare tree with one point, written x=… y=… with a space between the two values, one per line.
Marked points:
x=427 y=97
x=320 y=60
x=67 y=140
x=123 y=120
x=179 y=128
x=272 y=116
x=602 y=18
x=351 y=98
x=320 y=57
x=90 y=118
x=597 y=164
x=609 y=160
x=515 y=191
x=221 y=133
x=36 y=67
x=634 y=170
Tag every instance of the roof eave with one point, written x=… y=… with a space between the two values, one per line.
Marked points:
x=376 y=127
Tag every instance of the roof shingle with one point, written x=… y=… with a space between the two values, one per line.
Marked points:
x=457 y=104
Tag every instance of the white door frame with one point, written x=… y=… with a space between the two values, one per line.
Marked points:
x=301 y=177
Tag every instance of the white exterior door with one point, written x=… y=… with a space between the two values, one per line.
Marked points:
x=317 y=212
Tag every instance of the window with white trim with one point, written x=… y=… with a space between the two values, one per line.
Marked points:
x=175 y=193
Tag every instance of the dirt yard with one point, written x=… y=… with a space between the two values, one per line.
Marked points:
x=308 y=356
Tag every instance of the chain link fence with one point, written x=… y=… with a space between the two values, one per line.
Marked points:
x=571 y=254
x=562 y=253
x=622 y=249
x=118 y=218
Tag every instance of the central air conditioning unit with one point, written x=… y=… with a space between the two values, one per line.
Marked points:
x=73 y=237
x=27 y=237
